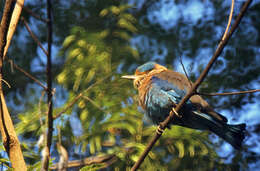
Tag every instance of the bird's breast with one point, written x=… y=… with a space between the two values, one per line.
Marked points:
x=143 y=92
x=154 y=101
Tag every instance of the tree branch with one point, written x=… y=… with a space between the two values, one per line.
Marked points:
x=9 y=137
x=33 y=36
x=35 y=15
x=46 y=157
x=193 y=89
x=228 y=93
x=93 y=102
x=105 y=159
x=13 y=23
x=229 y=19
x=27 y=74
x=188 y=78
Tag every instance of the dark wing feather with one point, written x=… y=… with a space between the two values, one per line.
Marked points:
x=180 y=81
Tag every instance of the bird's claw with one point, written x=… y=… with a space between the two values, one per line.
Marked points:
x=159 y=130
x=176 y=113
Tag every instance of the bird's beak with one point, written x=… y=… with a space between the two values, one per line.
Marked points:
x=131 y=77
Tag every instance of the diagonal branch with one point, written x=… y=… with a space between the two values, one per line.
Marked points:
x=35 y=15
x=34 y=36
x=27 y=74
x=93 y=102
x=193 y=89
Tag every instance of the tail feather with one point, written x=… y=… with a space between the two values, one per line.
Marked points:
x=234 y=134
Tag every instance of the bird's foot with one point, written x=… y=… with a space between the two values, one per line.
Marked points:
x=176 y=113
x=159 y=130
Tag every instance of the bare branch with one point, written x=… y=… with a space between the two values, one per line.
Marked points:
x=13 y=23
x=92 y=102
x=228 y=93
x=69 y=106
x=35 y=15
x=27 y=74
x=9 y=137
x=33 y=36
x=107 y=160
x=188 y=78
x=46 y=158
x=229 y=19
x=193 y=89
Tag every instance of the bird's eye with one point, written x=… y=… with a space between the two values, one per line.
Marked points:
x=136 y=83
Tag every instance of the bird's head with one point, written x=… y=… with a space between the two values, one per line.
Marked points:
x=143 y=71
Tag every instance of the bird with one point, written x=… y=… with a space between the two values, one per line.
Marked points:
x=161 y=89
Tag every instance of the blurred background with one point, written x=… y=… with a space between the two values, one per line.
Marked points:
x=95 y=43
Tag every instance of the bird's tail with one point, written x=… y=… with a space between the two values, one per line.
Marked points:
x=233 y=134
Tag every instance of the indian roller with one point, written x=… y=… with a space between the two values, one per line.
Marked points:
x=160 y=89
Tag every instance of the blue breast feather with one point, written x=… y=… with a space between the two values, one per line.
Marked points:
x=161 y=97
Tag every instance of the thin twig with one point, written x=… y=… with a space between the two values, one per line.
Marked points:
x=92 y=102
x=188 y=78
x=229 y=19
x=69 y=106
x=34 y=15
x=75 y=99
x=34 y=36
x=27 y=74
x=193 y=89
x=46 y=158
x=228 y=93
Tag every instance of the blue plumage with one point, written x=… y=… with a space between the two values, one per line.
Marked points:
x=161 y=89
x=160 y=98
x=146 y=67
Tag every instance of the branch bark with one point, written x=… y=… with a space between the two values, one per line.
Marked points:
x=35 y=15
x=46 y=157
x=14 y=21
x=9 y=137
x=34 y=36
x=229 y=93
x=106 y=159
x=193 y=89
x=27 y=74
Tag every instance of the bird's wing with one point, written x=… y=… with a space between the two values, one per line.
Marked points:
x=163 y=93
x=177 y=79
x=159 y=98
x=181 y=82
